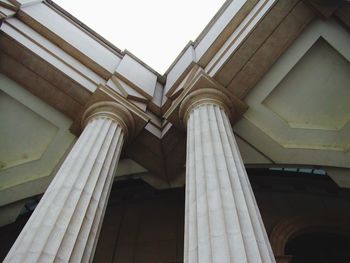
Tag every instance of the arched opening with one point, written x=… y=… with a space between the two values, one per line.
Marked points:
x=320 y=247
x=311 y=239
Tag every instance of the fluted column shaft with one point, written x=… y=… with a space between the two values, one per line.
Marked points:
x=222 y=220
x=65 y=225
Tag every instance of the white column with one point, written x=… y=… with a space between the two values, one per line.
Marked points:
x=65 y=225
x=222 y=220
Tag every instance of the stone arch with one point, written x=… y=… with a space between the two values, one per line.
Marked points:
x=289 y=228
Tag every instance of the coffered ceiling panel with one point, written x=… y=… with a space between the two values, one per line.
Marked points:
x=26 y=135
x=302 y=104
x=318 y=85
x=33 y=139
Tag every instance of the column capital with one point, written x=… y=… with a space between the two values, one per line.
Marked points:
x=113 y=111
x=202 y=89
x=205 y=96
x=108 y=103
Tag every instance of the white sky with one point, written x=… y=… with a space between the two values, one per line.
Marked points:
x=154 y=30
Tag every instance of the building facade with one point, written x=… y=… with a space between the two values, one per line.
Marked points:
x=263 y=91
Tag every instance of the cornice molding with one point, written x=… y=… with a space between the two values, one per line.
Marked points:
x=7 y=9
x=8 y=5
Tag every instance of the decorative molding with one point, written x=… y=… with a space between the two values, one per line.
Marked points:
x=238 y=37
x=173 y=94
x=126 y=90
x=7 y=9
x=8 y=5
x=266 y=42
x=25 y=3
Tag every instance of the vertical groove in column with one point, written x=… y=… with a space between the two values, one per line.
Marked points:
x=65 y=223
x=189 y=166
x=114 y=155
x=247 y=226
x=217 y=224
x=203 y=221
x=258 y=225
x=230 y=208
x=64 y=226
x=22 y=240
x=33 y=242
x=222 y=220
x=78 y=226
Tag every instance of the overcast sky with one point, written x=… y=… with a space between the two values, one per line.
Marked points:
x=154 y=30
